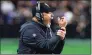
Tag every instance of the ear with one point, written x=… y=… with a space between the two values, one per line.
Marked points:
x=43 y=14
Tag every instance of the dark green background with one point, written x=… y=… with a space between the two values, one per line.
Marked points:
x=72 y=46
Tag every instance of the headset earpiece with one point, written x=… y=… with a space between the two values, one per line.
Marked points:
x=38 y=13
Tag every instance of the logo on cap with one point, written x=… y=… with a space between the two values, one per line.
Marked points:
x=46 y=4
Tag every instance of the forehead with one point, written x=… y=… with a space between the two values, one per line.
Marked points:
x=48 y=12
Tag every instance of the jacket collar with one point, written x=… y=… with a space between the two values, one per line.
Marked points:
x=39 y=24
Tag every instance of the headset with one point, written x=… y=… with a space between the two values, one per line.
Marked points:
x=38 y=13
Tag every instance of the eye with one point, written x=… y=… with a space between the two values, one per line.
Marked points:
x=49 y=12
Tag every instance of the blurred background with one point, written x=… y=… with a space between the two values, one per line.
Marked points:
x=14 y=13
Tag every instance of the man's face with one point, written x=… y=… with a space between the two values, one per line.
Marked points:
x=47 y=18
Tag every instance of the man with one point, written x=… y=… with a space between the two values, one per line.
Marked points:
x=37 y=37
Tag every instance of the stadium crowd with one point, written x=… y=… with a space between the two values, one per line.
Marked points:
x=77 y=12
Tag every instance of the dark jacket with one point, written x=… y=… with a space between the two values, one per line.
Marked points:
x=38 y=39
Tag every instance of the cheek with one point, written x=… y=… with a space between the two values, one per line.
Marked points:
x=47 y=17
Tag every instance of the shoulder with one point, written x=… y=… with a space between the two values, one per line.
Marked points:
x=29 y=29
x=27 y=26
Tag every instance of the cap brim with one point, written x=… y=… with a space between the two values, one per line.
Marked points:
x=52 y=9
x=46 y=8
